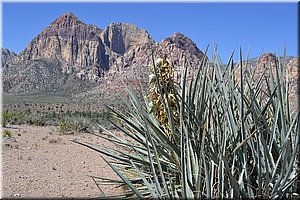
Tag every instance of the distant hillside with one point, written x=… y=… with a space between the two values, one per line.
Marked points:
x=7 y=56
x=84 y=61
x=69 y=50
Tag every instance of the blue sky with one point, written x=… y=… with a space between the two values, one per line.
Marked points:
x=258 y=26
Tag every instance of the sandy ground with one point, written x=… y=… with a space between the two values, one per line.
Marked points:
x=42 y=162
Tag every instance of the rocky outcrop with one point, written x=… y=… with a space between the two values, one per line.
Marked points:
x=77 y=45
x=293 y=72
x=179 y=40
x=134 y=65
x=123 y=37
x=267 y=58
x=182 y=51
x=82 y=52
x=7 y=56
x=127 y=45
x=70 y=51
x=87 y=50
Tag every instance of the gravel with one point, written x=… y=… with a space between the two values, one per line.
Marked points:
x=42 y=162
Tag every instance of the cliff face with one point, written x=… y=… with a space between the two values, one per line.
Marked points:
x=134 y=65
x=177 y=47
x=74 y=43
x=123 y=37
x=85 y=49
x=127 y=45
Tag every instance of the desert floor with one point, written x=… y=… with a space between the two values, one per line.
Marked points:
x=42 y=162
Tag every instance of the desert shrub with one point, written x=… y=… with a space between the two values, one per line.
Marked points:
x=221 y=134
x=74 y=123
x=37 y=118
x=103 y=119
x=7 y=133
x=78 y=120
x=13 y=117
x=6 y=118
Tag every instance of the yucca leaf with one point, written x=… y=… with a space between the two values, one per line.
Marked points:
x=151 y=187
x=153 y=170
x=134 y=189
x=200 y=68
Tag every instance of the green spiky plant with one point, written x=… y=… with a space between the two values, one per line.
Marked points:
x=233 y=138
x=74 y=123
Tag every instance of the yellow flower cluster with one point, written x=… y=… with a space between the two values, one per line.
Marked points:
x=164 y=71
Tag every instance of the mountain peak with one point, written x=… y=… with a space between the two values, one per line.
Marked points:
x=70 y=14
x=69 y=38
x=183 y=42
x=267 y=57
x=6 y=56
x=177 y=35
x=179 y=38
x=66 y=19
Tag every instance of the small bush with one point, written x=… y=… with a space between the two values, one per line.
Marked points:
x=74 y=123
x=6 y=118
x=37 y=119
x=15 y=117
x=7 y=133
x=68 y=121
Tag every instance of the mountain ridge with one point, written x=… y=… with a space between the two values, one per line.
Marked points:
x=70 y=51
x=87 y=53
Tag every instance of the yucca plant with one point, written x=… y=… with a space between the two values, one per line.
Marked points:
x=74 y=123
x=37 y=118
x=6 y=118
x=214 y=136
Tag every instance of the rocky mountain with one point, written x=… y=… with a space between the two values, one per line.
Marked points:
x=266 y=64
x=69 y=50
x=7 y=56
x=76 y=45
x=267 y=57
x=123 y=37
x=70 y=56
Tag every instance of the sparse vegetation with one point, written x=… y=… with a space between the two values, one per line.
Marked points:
x=37 y=118
x=7 y=133
x=234 y=138
x=67 y=121
x=75 y=123
x=12 y=118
